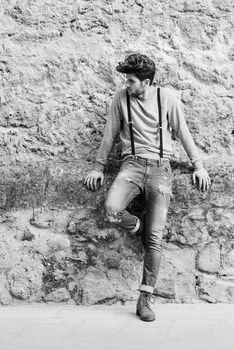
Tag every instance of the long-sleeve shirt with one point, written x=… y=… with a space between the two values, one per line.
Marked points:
x=145 y=121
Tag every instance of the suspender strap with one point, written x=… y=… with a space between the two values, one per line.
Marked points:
x=160 y=123
x=130 y=123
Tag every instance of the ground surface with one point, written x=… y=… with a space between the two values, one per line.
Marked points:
x=60 y=327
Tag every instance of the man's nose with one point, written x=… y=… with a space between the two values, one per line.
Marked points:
x=127 y=83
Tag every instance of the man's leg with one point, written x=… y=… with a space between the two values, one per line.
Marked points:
x=158 y=190
x=120 y=194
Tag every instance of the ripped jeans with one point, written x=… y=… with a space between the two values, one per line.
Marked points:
x=153 y=180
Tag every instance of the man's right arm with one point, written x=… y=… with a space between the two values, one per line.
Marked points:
x=180 y=129
x=111 y=130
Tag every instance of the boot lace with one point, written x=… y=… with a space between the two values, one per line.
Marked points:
x=148 y=299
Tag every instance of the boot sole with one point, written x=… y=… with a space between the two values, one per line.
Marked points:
x=142 y=319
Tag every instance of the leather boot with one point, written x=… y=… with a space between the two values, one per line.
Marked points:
x=143 y=307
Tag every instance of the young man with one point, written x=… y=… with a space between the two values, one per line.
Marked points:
x=146 y=167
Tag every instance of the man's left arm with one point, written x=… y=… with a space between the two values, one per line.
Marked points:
x=180 y=128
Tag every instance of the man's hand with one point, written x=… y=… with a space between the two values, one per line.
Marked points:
x=204 y=181
x=93 y=179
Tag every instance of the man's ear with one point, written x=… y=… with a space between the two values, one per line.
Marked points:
x=147 y=81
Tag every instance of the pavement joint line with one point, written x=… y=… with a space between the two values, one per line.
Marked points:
x=66 y=336
x=111 y=338
x=212 y=337
x=166 y=333
x=21 y=332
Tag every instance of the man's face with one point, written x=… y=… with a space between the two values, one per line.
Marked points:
x=134 y=85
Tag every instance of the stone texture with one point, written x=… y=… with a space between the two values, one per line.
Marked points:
x=166 y=283
x=58 y=295
x=209 y=258
x=25 y=280
x=58 y=243
x=117 y=280
x=185 y=288
x=95 y=291
x=182 y=280
x=58 y=77
x=214 y=290
x=5 y=297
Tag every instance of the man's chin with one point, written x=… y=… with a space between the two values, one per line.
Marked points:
x=132 y=94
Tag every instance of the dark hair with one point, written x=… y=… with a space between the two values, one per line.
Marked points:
x=139 y=65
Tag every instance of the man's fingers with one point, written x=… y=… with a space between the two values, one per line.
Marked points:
x=94 y=184
x=204 y=186
x=91 y=184
x=92 y=181
x=194 y=178
x=208 y=183
x=86 y=181
x=204 y=181
x=200 y=183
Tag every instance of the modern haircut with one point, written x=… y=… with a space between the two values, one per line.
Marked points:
x=139 y=65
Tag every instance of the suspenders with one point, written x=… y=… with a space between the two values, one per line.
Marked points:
x=160 y=124
x=130 y=124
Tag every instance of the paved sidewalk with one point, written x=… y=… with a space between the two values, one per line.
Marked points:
x=67 y=327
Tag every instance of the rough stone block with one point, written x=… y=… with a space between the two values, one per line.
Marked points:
x=214 y=290
x=166 y=284
x=5 y=297
x=25 y=280
x=58 y=295
x=94 y=291
x=209 y=258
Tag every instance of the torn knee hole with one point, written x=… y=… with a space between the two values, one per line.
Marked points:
x=164 y=189
x=113 y=216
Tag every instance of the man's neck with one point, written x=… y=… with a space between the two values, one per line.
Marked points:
x=147 y=94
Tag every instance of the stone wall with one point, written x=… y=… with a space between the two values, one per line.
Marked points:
x=57 y=67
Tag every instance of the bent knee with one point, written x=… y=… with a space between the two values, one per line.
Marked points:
x=113 y=207
x=113 y=212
